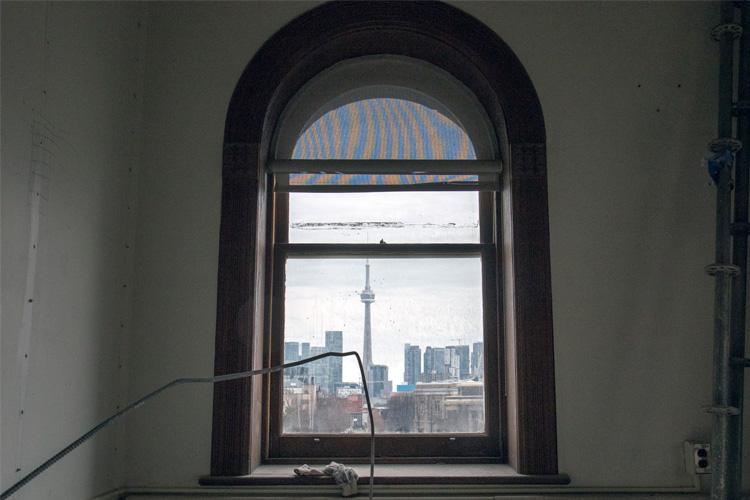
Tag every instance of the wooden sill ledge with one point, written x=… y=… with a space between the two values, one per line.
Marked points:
x=392 y=474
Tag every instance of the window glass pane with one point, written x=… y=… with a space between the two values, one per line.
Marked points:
x=386 y=129
x=392 y=217
x=423 y=319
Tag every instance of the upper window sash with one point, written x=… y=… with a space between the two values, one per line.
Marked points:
x=384 y=106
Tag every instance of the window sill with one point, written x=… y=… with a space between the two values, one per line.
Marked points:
x=393 y=474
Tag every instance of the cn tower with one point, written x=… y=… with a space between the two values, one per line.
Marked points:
x=368 y=297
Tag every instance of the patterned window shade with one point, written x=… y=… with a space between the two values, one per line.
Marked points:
x=382 y=129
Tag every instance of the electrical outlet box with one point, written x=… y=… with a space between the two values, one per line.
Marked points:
x=697 y=457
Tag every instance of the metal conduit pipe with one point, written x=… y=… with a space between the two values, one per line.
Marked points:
x=739 y=258
x=722 y=269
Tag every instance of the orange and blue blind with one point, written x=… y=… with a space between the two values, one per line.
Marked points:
x=382 y=129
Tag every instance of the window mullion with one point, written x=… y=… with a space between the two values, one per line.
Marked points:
x=446 y=167
x=320 y=250
x=384 y=175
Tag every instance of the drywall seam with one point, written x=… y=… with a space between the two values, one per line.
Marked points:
x=24 y=336
x=136 y=145
x=42 y=157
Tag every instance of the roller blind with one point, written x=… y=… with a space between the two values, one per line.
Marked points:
x=384 y=144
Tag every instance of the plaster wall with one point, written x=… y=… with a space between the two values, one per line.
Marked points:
x=71 y=95
x=628 y=93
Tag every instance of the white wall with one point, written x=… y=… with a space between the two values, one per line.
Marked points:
x=628 y=93
x=196 y=53
x=71 y=95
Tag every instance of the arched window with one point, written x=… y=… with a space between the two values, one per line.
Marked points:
x=385 y=190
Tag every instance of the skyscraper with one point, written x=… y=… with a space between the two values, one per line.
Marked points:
x=412 y=363
x=452 y=362
x=434 y=364
x=334 y=343
x=291 y=353
x=368 y=297
x=378 y=383
x=427 y=374
x=463 y=355
x=319 y=370
x=477 y=360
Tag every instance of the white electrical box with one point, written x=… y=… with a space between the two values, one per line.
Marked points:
x=697 y=457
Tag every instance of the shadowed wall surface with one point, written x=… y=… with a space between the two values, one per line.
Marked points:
x=628 y=95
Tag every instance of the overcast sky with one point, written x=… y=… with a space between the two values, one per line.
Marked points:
x=425 y=302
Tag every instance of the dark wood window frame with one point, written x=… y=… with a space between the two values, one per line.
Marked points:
x=459 y=44
x=453 y=447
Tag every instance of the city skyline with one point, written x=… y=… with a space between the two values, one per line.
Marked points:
x=437 y=366
x=448 y=396
x=324 y=295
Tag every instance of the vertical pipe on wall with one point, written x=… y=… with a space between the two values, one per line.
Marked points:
x=739 y=258
x=721 y=269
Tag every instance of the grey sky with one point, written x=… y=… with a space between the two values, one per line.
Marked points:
x=428 y=217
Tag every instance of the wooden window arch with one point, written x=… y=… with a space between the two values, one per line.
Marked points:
x=462 y=46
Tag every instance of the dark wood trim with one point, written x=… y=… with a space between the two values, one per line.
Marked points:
x=493 y=344
x=274 y=335
x=432 y=31
x=454 y=41
x=534 y=376
x=239 y=276
x=278 y=232
x=534 y=479
x=389 y=447
x=427 y=448
x=390 y=250
x=386 y=479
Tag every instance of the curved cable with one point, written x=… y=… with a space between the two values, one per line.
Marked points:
x=201 y=380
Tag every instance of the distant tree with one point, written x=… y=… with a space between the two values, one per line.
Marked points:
x=401 y=412
x=331 y=415
x=293 y=419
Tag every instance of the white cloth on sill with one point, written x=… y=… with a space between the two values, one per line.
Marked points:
x=306 y=470
x=346 y=477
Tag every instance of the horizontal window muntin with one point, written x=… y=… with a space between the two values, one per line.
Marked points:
x=388 y=250
x=387 y=166
x=384 y=175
